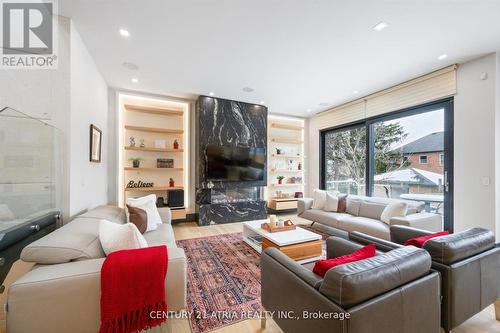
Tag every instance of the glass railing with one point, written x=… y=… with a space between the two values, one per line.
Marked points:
x=30 y=169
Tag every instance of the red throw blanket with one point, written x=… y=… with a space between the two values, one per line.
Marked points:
x=132 y=287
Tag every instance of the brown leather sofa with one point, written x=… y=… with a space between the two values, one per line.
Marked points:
x=469 y=265
x=391 y=292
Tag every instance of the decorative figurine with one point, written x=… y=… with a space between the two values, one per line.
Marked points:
x=299 y=167
x=171 y=183
x=142 y=145
x=131 y=141
x=278 y=151
x=176 y=144
x=136 y=162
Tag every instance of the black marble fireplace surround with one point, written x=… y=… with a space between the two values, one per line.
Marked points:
x=232 y=124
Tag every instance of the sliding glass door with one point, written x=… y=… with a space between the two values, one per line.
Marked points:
x=406 y=155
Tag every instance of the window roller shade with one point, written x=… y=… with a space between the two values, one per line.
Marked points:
x=431 y=87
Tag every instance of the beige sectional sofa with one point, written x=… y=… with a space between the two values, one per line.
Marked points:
x=62 y=291
x=363 y=215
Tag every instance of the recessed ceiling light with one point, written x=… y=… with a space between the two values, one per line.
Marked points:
x=124 y=33
x=247 y=89
x=442 y=57
x=262 y=102
x=355 y=92
x=130 y=65
x=135 y=80
x=323 y=104
x=380 y=26
x=211 y=93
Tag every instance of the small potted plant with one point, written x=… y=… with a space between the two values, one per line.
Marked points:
x=176 y=144
x=280 y=179
x=136 y=162
x=171 y=183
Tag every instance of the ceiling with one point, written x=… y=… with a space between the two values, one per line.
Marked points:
x=294 y=54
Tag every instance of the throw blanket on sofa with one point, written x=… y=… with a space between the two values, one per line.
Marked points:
x=132 y=288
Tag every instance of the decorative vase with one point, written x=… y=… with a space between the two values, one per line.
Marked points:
x=171 y=183
x=136 y=163
x=176 y=145
x=280 y=181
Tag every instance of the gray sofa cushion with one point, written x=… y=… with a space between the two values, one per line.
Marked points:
x=163 y=235
x=110 y=213
x=77 y=240
x=372 y=210
x=327 y=218
x=413 y=206
x=353 y=204
x=365 y=225
x=455 y=247
x=355 y=282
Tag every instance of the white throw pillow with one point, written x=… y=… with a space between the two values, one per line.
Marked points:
x=319 y=199
x=394 y=209
x=332 y=202
x=148 y=204
x=115 y=237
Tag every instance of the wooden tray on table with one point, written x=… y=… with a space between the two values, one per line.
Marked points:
x=288 y=226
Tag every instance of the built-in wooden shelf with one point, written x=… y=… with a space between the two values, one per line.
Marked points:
x=286 y=171
x=152 y=169
x=153 y=189
x=286 y=156
x=286 y=140
x=287 y=133
x=153 y=130
x=158 y=150
x=288 y=127
x=284 y=199
x=279 y=204
x=153 y=110
x=178 y=213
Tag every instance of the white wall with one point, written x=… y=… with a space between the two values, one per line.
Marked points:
x=476 y=130
x=474 y=145
x=89 y=105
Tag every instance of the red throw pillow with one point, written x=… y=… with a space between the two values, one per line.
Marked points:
x=322 y=266
x=420 y=241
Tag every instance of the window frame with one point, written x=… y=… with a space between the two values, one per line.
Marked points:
x=426 y=159
x=368 y=123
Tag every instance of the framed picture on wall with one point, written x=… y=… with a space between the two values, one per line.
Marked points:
x=95 y=144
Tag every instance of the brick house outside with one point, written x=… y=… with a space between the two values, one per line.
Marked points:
x=426 y=153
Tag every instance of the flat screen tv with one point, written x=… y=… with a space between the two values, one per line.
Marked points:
x=235 y=163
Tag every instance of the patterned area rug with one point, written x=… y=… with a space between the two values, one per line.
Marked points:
x=223 y=280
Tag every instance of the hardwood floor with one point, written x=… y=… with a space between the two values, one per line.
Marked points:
x=483 y=322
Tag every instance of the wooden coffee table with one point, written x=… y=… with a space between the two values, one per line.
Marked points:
x=300 y=244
